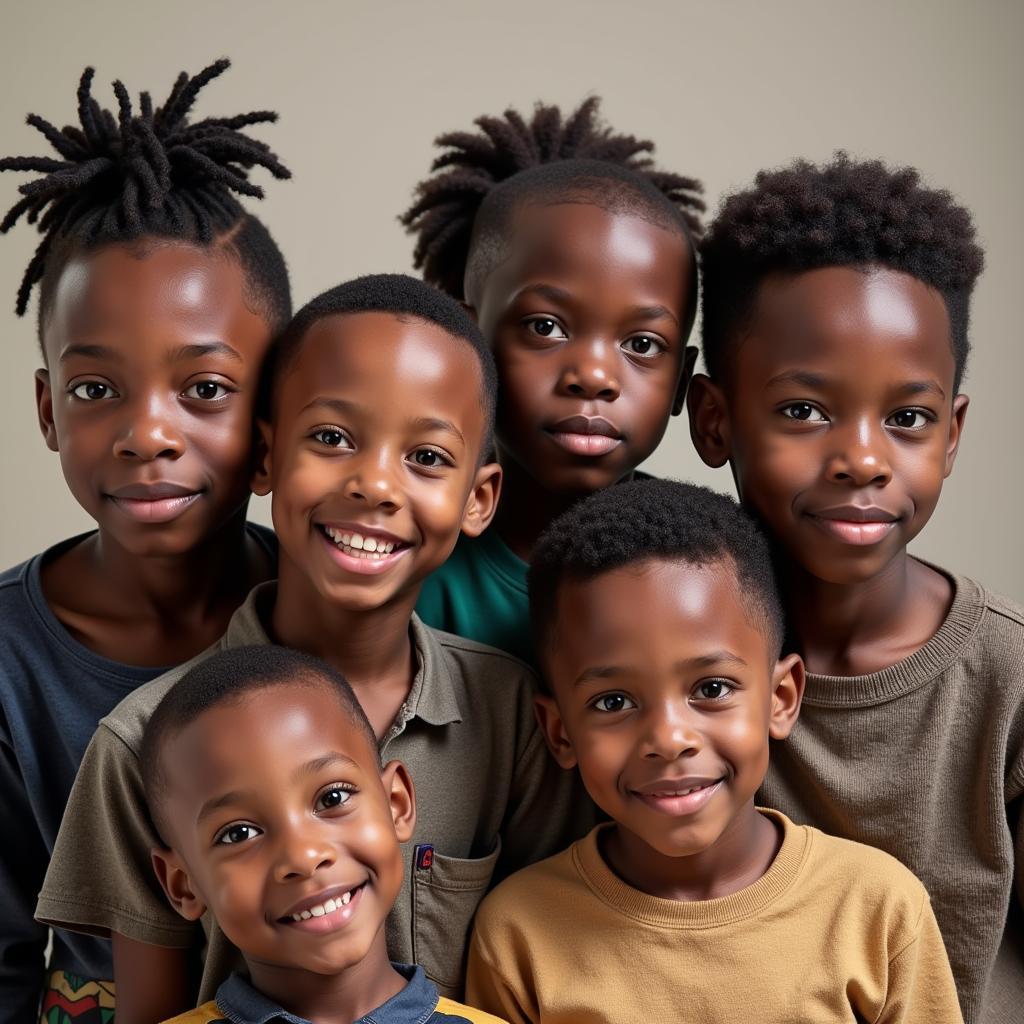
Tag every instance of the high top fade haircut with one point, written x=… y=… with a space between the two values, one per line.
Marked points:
x=461 y=213
x=845 y=213
x=231 y=677
x=653 y=521
x=144 y=174
x=407 y=298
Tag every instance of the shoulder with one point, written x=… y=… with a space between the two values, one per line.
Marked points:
x=205 y=1014
x=458 y=1013
x=473 y=663
x=531 y=896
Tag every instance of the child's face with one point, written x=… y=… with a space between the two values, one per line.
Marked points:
x=374 y=456
x=839 y=416
x=665 y=694
x=276 y=807
x=584 y=317
x=152 y=368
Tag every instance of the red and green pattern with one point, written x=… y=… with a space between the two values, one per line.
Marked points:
x=70 y=999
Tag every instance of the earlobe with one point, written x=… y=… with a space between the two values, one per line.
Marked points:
x=398 y=785
x=553 y=729
x=483 y=500
x=261 y=466
x=44 y=409
x=174 y=879
x=956 y=429
x=787 y=693
x=689 y=361
x=709 y=421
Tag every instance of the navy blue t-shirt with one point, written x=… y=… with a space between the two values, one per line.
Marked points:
x=53 y=692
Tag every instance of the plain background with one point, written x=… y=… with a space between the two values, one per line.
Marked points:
x=724 y=89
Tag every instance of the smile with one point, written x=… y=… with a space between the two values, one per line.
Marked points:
x=154 y=510
x=679 y=801
x=327 y=916
x=364 y=553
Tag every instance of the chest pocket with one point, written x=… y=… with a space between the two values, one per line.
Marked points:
x=445 y=894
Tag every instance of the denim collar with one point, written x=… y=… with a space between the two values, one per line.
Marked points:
x=242 y=1004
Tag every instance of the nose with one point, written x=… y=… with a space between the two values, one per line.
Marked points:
x=373 y=480
x=302 y=851
x=591 y=372
x=671 y=734
x=860 y=457
x=150 y=431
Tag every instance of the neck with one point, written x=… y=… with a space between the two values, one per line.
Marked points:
x=738 y=858
x=330 y=998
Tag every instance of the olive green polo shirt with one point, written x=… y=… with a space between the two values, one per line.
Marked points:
x=489 y=797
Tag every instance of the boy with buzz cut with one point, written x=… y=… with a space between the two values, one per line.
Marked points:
x=377 y=420
x=263 y=776
x=660 y=640
x=659 y=629
x=836 y=305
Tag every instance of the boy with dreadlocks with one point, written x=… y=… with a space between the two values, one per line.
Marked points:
x=836 y=305
x=577 y=259
x=159 y=295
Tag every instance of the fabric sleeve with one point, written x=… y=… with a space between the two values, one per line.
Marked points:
x=921 y=988
x=22 y=864
x=488 y=990
x=101 y=878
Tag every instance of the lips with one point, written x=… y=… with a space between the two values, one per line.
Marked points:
x=859 y=525
x=678 y=797
x=158 y=502
x=585 y=435
x=327 y=911
x=361 y=549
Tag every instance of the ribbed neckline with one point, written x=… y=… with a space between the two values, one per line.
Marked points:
x=697 y=914
x=926 y=664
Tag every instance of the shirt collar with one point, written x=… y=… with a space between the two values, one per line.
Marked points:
x=242 y=1004
x=433 y=697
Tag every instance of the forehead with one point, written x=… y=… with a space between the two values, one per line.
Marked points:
x=397 y=366
x=652 y=613
x=862 y=319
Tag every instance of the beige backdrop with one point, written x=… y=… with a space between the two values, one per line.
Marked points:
x=724 y=88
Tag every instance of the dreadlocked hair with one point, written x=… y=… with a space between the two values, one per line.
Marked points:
x=125 y=175
x=482 y=175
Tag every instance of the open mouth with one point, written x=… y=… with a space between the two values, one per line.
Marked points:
x=362 y=552
x=679 y=800
x=328 y=915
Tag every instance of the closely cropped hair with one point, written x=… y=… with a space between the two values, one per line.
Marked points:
x=402 y=295
x=130 y=174
x=461 y=211
x=230 y=677
x=846 y=213
x=645 y=521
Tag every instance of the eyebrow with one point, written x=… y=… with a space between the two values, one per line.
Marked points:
x=702 y=661
x=817 y=381
x=426 y=423
x=207 y=348
x=546 y=291
x=344 y=407
x=89 y=352
x=653 y=313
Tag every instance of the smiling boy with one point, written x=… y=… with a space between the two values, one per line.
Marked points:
x=836 y=337
x=661 y=642
x=263 y=774
x=379 y=405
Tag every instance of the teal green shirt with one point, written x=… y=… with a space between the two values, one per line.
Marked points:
x=480 y=593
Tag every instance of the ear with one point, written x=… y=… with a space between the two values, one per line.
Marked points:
x=482 y=502
x=401 y=793
x=553 y=729
x=787 y=693
x=709 y=421
x=44 y=409
x=174 y=879
x=956 y=429
x=261 y=459
x=689 y=361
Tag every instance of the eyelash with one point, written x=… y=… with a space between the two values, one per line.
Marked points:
x=928 y=416
x=658 y=344
x=227 y=390
x=446 y=459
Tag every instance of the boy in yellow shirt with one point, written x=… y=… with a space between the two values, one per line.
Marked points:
x=659 y=629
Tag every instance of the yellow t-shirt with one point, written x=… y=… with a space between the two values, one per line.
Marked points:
x=834 y=931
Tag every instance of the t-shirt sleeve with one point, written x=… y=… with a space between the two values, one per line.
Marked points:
x=22 y=863
x=489 y=990
x=101 y=878
x=921 y=988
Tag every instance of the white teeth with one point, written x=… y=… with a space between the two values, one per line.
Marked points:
x=370 y=544
x=357 y=546
x=357 y=542
x=345 y=899
x=323 y=909
x=304 y=916
x=318 y=911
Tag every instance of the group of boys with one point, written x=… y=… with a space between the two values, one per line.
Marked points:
x=325 y=790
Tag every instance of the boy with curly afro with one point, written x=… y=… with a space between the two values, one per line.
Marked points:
x=836 y=302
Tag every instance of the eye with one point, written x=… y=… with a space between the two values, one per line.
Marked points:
x=713 y=689
x=333 y=796
x=206 y=390
x=546 y=327
x=239 y=832
x=609 y=703
x=804 y=412
x=93 y=391
x=430 y=458
x=332 y=437
x=909 y=419
x=644 y=345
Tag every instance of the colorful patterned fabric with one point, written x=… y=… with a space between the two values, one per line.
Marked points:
x=69 y=999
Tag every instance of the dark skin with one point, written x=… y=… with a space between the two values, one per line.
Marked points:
x=275 y=806
x=840 y=421
x=586 y=316
x=664 y=694
x=152 y=360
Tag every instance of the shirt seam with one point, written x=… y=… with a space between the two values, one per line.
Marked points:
x=915 y=938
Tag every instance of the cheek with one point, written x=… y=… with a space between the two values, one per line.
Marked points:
x=602 y=754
